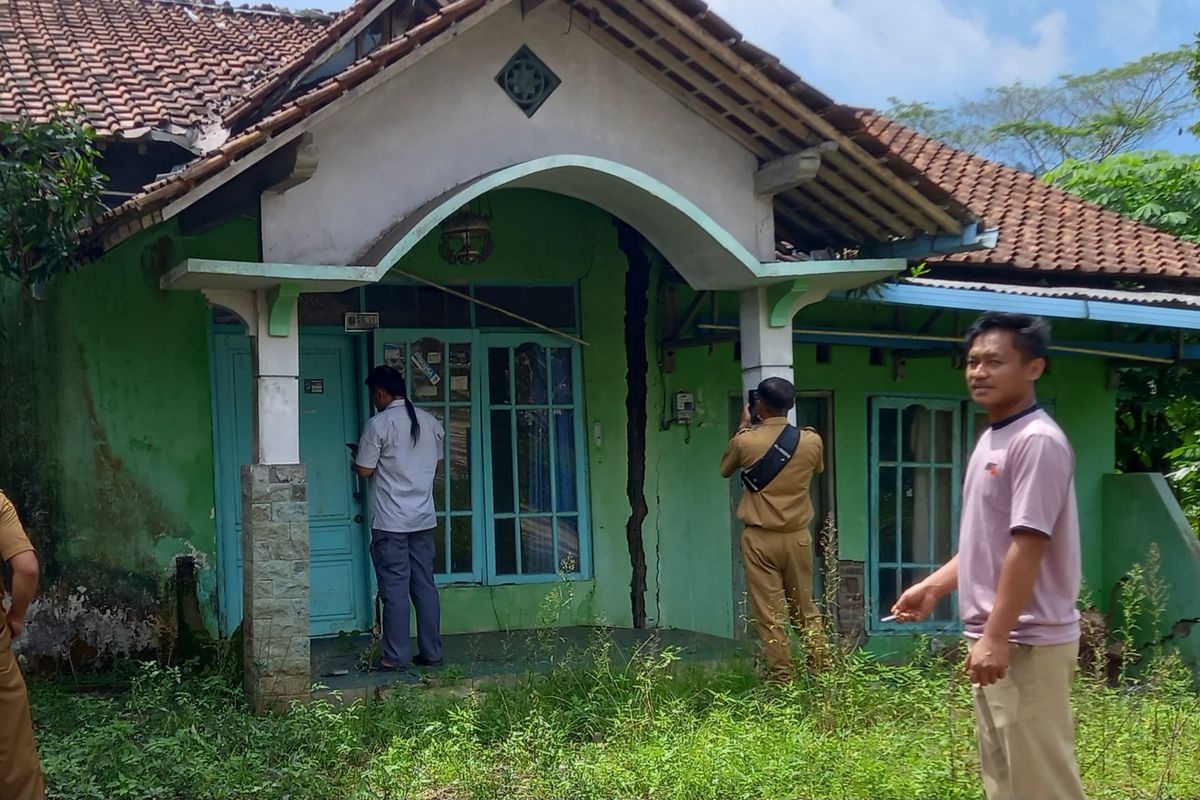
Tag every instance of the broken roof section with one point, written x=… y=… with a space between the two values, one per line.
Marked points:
x=140 y=68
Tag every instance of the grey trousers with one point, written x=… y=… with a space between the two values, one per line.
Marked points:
x=404 y=569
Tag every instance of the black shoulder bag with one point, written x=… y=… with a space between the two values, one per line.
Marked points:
x=763 y=471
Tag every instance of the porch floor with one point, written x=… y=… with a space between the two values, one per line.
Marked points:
x=497 y=654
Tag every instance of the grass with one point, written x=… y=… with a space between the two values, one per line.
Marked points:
x=594 y=727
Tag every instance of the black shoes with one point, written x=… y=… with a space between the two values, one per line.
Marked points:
x=421 y=661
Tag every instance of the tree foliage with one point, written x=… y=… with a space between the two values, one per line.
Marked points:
x=1078 y=118
x=1153 y=187
x=49 y=188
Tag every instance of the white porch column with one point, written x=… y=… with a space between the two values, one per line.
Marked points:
x=276 y=334
x=275 y=535
x=767 y=350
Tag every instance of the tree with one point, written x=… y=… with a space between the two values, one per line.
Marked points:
x=49 y=188
x=1153 y=187
x=1078 y=118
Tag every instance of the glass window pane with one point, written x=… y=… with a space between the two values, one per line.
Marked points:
x=914 y=519
x=506 y=546
x=888 y=592
x=459 y=435
x=887 y=514
x=439 y=476
x=402 y=306
x=943 y=436
x=561 y=377
x=428 y=361
x=439 y=547
x=533 y=461
x=943 y=547
x=537 y=545
x=326 y=309
x=549 y=305
x=564 y=453
x=887 y=434
x=498 y=375
x=568 y=545
x=529 y=361
x=460 y=372
x=395 y=354
x=915 y=433
x=502 y=468
x=460 y=545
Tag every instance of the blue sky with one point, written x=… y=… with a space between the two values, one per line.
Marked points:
x=863 y=51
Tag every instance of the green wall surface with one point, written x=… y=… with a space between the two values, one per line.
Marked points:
x=125 y=367
x=547 y=238
x=1140 y=511
x=123 y=427
x=696 y=582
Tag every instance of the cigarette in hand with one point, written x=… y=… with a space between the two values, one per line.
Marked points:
x=889 y=618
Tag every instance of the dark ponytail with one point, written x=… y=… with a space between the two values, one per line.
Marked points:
x=414 y=424
x=392 y=381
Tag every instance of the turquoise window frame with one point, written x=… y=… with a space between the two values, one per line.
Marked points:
x=446 y=515
x=483 y=508
x=511 y=341
x=897 y=403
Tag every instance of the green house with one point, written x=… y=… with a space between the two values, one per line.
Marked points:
x=582 y=230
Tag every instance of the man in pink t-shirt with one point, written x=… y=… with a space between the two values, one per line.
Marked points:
x=1017 y=571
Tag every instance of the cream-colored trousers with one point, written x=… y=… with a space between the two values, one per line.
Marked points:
x=1024 y=727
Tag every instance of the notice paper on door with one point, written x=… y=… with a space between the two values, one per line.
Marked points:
x=460 y=383
x=393 y=356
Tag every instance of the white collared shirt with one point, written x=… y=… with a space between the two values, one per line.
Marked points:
x=402 y=486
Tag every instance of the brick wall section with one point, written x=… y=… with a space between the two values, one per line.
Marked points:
x=275 y=584
x=851 y=602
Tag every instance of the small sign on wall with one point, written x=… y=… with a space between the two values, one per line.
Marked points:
x=362 y=320
x=314 y=386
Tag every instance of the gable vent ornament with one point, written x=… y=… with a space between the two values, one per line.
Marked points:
x=527 y=81
x=466 y=237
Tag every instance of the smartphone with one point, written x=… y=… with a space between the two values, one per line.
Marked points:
x=752 y=402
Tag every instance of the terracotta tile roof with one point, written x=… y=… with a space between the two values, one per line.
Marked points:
x=1042 y=228
x=145 y=208
x=141 y=65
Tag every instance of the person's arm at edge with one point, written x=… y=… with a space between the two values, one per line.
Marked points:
x=24 y=588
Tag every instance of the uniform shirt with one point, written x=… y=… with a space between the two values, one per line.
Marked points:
x=13 y=542
x=402 y=486
x=784 y=506
x=1021 y=475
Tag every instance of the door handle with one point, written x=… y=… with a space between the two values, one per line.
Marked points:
x=358 y=518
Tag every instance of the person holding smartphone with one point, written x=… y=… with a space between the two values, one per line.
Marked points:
x=778 y=463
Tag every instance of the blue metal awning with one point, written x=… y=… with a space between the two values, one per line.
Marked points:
x=1155 y=309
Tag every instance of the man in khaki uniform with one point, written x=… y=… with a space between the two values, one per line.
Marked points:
x=20 y=772
x=776 y=541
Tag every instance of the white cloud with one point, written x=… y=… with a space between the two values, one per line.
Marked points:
x=863 y=51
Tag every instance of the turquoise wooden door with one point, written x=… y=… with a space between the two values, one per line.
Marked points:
x=329 y=419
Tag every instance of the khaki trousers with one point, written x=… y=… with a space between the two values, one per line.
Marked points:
x=779 y=581
x=20 y=772
x=1024 y=726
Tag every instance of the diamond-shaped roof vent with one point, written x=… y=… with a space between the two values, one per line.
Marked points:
x=527 y=81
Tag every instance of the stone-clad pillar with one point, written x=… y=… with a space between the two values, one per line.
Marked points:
x=275 y=584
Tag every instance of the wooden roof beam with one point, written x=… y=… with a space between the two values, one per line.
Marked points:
x=813 y=120
x=790 y=171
